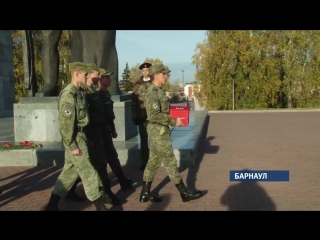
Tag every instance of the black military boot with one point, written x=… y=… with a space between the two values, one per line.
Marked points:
x=146 y=196
x=72 y=195
x=99 y=205
x=126 y=183
x=186 y=194
x=109 y=197
x=53 y=203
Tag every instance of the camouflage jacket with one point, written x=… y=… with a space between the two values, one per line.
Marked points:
x=139 y=114
x=108 y=106
x=158 y=107
x=73 y=113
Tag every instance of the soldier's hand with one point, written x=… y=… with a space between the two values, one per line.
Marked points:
x=77 y=152
x=179 y=122
x=114 y=134
x=90 y=145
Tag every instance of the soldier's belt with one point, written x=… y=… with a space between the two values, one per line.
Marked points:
x=157 y=124
x=82 y=129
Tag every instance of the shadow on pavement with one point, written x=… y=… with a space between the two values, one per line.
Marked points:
x=160 y=206
x=247 y=196
x=33 y=179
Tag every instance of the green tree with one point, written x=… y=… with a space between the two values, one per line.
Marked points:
x=18 y=71
x=273 y=69
x=64 y=54
x=125 y=79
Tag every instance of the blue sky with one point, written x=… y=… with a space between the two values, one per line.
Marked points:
x=174 y=47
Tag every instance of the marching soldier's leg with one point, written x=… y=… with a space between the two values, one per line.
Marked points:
x=89 y=176
x=98 y=159
x=108 y=196
x=169 y=160
x=64 y=182
x=72 y=195
x=113 y=161
x=149 y=174
x=144 y=150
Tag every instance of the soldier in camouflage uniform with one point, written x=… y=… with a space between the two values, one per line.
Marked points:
x=110 y=132
x=73 y=123
x=139 y=114
x=158 y=107
x=97 y=122
x=72 y=195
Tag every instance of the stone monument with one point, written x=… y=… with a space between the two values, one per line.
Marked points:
x=7 y=91
x=36 y=118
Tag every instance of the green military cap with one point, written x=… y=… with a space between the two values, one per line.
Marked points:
x=104 y=73
x=75 y=66
x=158 y=68
x=93 y=66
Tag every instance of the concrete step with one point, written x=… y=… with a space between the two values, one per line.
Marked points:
x=185 y=142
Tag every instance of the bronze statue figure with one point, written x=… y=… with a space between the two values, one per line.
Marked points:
x=30 y=77
x=50 y=62
x=99 y=47
x=90 y=46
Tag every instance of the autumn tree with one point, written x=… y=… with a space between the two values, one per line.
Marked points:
x=64 y=55
x=18 y=71
x=272 y=69
x=135 y=73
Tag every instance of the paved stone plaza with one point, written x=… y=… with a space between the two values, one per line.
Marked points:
x=232 y=141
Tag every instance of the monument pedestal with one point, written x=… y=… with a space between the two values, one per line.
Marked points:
x=123 y=113
x=36 y=119
x=7 y=95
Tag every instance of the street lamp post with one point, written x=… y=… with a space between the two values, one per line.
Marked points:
x=182 y=77
x=233 y=77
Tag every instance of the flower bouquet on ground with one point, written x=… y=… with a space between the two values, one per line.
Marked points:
x=22 y=145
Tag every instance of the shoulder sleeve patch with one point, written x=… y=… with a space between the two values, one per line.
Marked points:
x=67 y=109
x=67 y=112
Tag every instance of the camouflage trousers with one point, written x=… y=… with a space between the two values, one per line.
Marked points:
x=76 y=166
x=161 y=151
x=144 y=151
x=111 y=154
x=98 y=157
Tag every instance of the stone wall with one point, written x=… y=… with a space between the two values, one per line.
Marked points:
x=7 y=92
